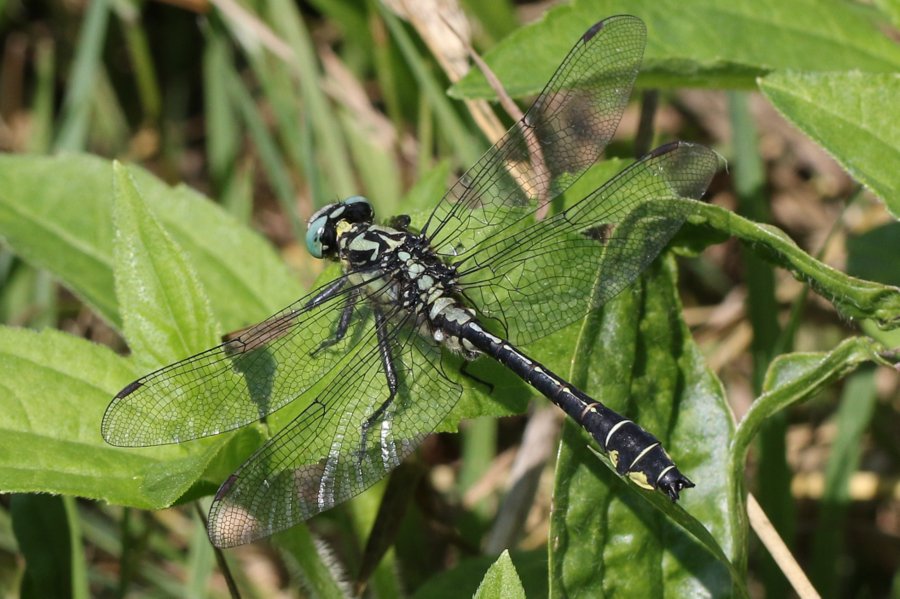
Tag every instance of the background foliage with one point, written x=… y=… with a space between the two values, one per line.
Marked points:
x=232 y=121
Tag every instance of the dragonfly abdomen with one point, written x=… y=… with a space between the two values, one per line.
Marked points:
x=635 y=452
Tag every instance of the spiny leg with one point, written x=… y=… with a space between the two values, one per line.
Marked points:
x=390 y=374
x=464 y=370
x=243 y=341
x=326 y=294
x=342 y=326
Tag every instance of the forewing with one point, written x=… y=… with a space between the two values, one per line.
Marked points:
x=323 y=457
x=562 y=134
x=242 y=380
x=537 y=278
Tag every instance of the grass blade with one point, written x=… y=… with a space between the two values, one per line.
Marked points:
x=76 y=110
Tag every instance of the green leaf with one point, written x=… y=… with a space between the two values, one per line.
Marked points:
x=67 y=229
x=855 y=298
x=430 y=186
x=84 y=77
x=607 y=536
x=166 y=316
x=501 y=580
x=464 y=579
x=853 y=116
x=61 y=227
x=698 y=42
x=55 y=389
x=165 y=310
x=42 y=532
x=793 y=378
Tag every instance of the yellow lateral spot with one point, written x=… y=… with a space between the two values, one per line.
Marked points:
x=614 y=457
x=640 y=479
x=341 y=228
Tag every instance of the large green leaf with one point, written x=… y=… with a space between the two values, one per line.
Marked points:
x=167 y=317
x=54 y=391
x=699 y=42
x=165 y=311
x=58 y=386
x=638 y=357
x=853 y=116
x=56 y=212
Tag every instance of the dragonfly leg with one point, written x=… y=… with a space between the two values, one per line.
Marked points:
x=326 y=294
x=342 y=326
x=390 y=373
x=464 y=370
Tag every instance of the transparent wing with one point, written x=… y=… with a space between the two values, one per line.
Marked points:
x=562 y=134
x=334 y=449
x=537 y=278
x=255 y=372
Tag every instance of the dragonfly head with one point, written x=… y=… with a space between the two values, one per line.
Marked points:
x=322 y=230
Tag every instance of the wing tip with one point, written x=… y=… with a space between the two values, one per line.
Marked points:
x=230 y=524
x=129 y=389
x=679 y=144
x=225 y=487
x=711 y=160
x=109 y=435
x=668 y=147
x=107 y=425
x=594 y=30
x=603 y=23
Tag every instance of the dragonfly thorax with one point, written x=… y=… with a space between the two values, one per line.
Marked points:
x=399 y=271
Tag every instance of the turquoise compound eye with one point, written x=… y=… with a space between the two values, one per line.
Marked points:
x=355 y=200
x=314 y=236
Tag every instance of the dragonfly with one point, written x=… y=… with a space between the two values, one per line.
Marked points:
x=498 y=264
